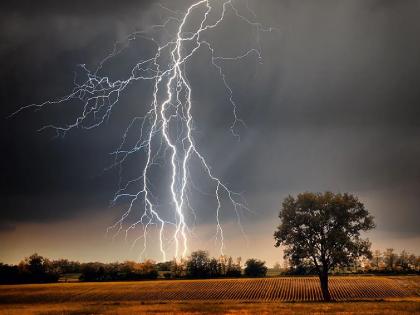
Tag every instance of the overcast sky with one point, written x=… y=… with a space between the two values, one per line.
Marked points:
x=334 y=105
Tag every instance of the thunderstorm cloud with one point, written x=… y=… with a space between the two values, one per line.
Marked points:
x=332 y=105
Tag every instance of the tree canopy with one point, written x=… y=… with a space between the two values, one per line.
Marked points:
x=323 y=230
x=255 y=268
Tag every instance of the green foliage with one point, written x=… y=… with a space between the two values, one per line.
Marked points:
x=323 y=231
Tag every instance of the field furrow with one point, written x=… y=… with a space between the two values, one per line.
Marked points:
x=265 y=290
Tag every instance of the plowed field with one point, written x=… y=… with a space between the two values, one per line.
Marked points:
x=263 y=290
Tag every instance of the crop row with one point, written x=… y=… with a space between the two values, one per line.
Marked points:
x=275 y=289
x=264 y=289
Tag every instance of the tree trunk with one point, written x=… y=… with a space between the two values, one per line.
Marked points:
x=323 y=277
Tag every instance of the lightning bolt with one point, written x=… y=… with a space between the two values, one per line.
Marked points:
x=167 y=127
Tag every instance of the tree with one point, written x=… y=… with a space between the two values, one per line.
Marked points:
x=36 y=264
x=377 y=256
x=178 y=268
x=390 y=259
x=277 y=266
x=9 y=274
x=214 y=268
x=413 y=262
x=232 y=269
x=164 y=266
x=323 y=230
x=403 y=262
x=255 y=268
x=37 y=269
x=64 y=266
x=147 y=270
x=198 y=264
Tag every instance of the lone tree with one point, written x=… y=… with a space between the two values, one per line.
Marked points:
x=323 y=230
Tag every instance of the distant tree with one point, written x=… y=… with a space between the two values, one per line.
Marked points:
x=390 y=259
x=417 y=266
x=413 y=262
x=214 y=270
x=9 y=274
x=377 y=258
x=33 y=269
x=64 y=266
x=37 y=269
x=222 y=265
x=92 y=272
x=232 y=269
x=178 y=269
x=147 y=270
x=255 y=268
x=198 y=264
x=164 y=266
x=239 y=261
x=403 y=262
x=276 y=266
x=128 y=270
x=365 y=265
x=323 y=230
x=36 y=264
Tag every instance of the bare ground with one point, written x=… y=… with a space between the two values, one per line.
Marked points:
x=355 y=295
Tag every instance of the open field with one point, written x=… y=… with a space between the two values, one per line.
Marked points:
x=391 y=295
x=286 y=289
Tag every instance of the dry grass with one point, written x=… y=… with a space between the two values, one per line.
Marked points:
x=368 y=295
x=200 y=307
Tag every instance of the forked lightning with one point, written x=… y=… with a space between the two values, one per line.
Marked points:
x=166 y=130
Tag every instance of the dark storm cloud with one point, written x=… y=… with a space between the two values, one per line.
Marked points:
x=41 y=44
x=71 y=23
x=77 y=8
x=335 y=105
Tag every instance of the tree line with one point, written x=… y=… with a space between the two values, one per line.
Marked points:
x=381 y=262
x=389 y=261
x=199 y=265
x=37 y=269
